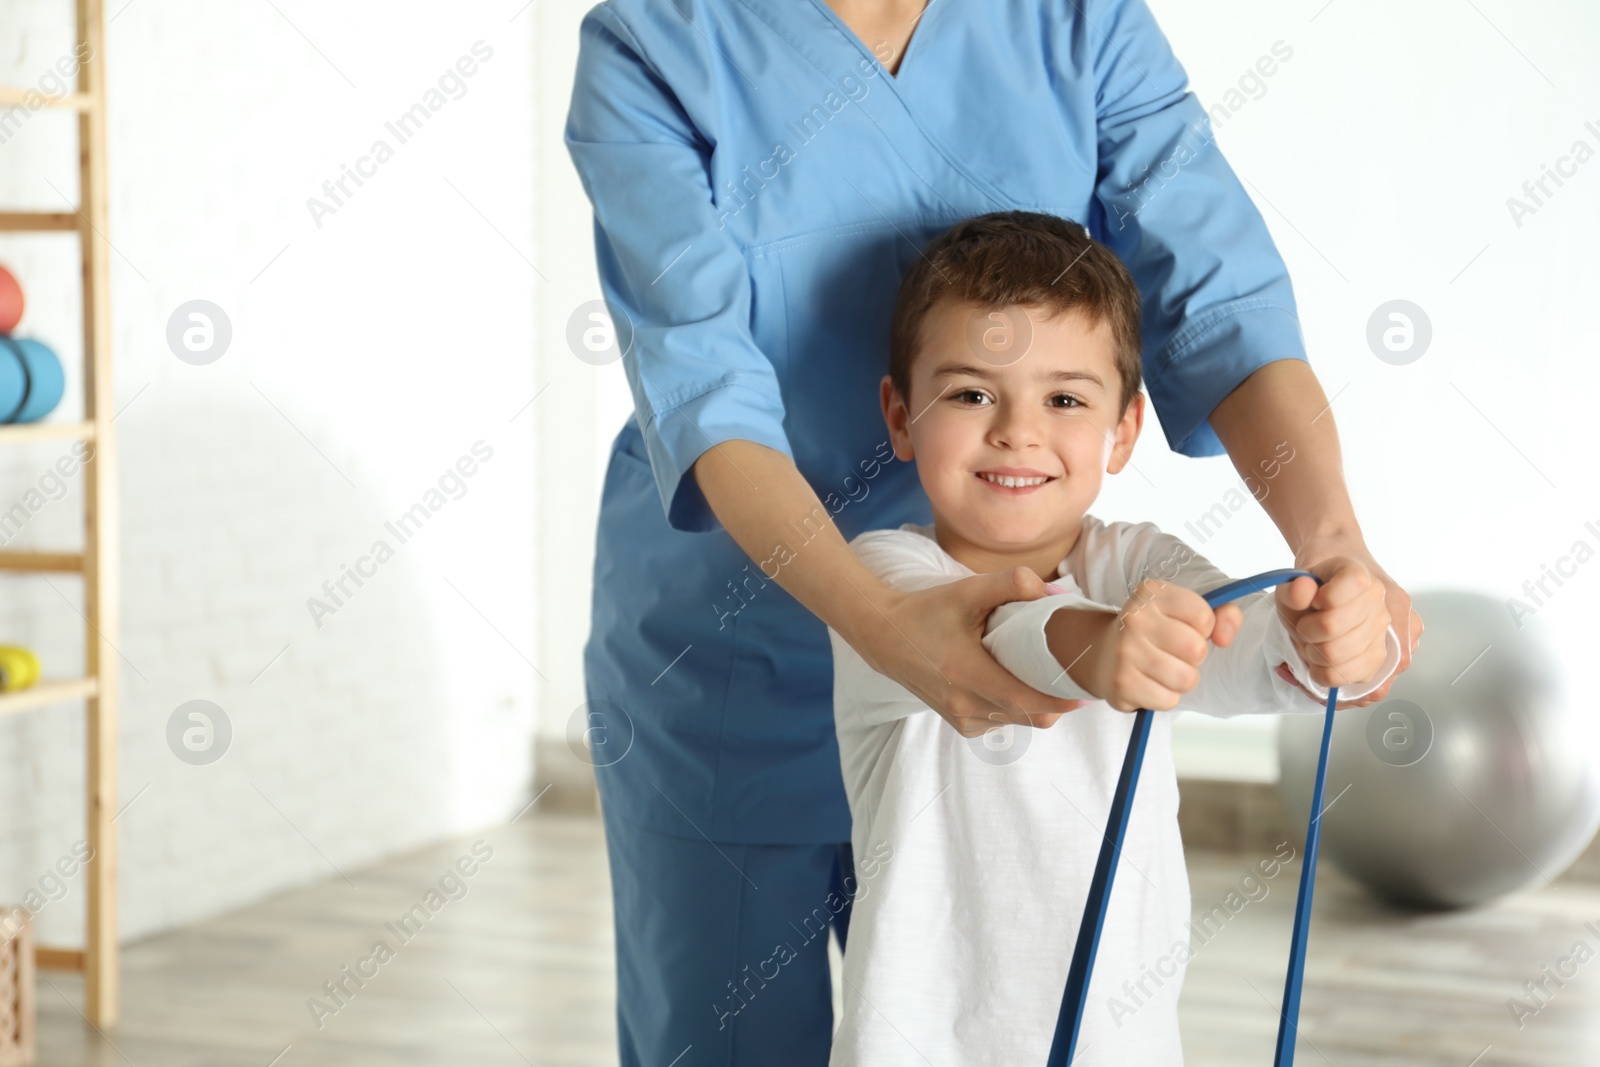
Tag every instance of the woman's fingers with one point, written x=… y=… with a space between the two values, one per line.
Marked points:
x=985 y=592
x=1017 y=702
x=933 y=646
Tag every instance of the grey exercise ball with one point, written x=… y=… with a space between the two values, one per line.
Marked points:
x=1474 y=777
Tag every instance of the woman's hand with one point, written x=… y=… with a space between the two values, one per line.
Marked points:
x=1347 y=570
x=930 y=641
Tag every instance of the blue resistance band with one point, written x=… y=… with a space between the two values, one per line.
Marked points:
x=1069 y=1024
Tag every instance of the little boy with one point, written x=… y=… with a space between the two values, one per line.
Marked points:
x=1014 y=383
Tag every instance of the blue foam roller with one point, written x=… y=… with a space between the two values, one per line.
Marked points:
x=31 y=380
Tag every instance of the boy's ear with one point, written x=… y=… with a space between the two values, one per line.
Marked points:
x=1127 y=434
x=896 y=417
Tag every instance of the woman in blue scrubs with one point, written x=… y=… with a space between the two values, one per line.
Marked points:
x=762 y=173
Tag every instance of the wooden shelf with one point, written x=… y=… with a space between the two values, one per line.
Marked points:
x=58 y=959
x=44 y=694
x=11 y=94
x=24 y=432
x=39 y=222
x=42 y=562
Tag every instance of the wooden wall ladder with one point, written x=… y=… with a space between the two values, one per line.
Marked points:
x=98 y=562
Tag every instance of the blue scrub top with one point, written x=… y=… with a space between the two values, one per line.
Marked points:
x=760 y=185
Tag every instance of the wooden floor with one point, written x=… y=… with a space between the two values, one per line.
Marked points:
x=518 y=971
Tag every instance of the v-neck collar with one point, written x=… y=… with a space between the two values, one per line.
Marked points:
x=861 y=46
x=917 y=145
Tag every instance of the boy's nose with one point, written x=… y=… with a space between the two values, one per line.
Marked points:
x=1013 y=429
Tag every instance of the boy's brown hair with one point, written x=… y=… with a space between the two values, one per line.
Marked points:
x=1007 y=258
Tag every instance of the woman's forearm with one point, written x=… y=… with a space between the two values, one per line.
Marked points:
x=928 y=640
x=1280 y=411
x=771 y=511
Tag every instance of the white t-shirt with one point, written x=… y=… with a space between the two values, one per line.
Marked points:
x=974 y=856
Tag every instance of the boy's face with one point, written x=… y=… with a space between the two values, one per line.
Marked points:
x=988 y=401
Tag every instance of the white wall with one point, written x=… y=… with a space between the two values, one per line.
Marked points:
x=1382 y=155
x=583 y=406
x=368 y=354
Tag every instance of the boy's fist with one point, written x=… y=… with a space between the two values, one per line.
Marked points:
x=1153 y=647
x=1338 y=627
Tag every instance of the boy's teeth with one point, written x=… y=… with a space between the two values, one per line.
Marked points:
x=1012 y=482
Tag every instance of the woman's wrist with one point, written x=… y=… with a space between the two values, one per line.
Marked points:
x=1340 y=540
x=865 y=613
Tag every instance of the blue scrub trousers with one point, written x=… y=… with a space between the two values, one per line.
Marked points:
x=722 y=955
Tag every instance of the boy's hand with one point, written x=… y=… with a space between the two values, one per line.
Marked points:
x=1338 y=627
x=1152 y=650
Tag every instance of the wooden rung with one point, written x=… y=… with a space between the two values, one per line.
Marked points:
x=46 y=693
x=37 y=221
x=11 y=94
x=58 y=959
x=65 y=562
x=23 y=432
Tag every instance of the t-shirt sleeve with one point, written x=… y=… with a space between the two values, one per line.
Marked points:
x=1217 y=300
x=1014 y=632
x=1015 y=637
x=675 y=282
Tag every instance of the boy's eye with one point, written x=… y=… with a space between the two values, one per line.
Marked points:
x=981 y=399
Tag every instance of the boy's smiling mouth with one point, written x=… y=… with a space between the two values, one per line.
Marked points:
x=1014 y=480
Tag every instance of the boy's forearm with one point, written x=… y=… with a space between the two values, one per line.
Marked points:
x=1078 y=638
x=762 y=499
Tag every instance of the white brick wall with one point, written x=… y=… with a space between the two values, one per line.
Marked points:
x=392 y=337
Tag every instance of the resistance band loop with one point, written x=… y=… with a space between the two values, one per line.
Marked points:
x=1070 y=1021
